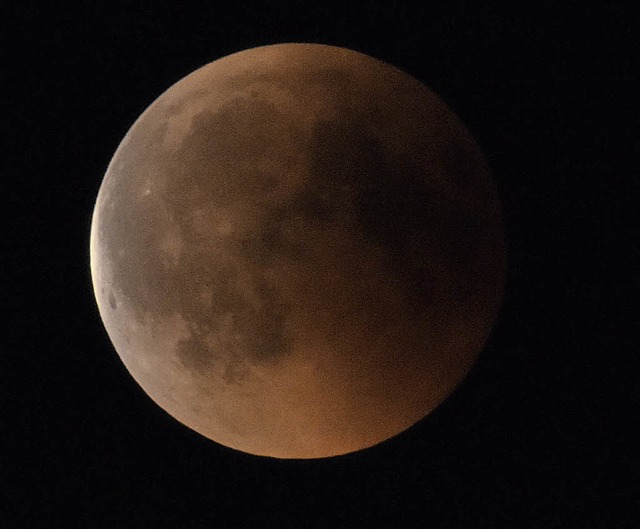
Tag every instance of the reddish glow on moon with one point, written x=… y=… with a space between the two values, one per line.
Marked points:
x=297 y=251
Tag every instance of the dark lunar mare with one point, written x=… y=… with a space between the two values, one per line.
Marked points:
x=398 y=210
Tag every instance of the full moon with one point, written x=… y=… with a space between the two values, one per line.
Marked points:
x=297 y=251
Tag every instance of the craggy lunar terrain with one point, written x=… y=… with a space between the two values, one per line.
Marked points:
x=297 y=251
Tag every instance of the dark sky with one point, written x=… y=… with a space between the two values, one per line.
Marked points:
x=539 y=435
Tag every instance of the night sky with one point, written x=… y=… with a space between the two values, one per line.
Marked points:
x=541 y=432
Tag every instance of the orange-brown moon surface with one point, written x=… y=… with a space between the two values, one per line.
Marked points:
x=297 y=251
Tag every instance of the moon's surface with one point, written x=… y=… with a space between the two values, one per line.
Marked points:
x=297 y=251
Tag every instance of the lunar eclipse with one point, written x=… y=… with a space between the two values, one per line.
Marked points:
x=297 y=251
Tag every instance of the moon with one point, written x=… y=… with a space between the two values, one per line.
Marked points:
x=297 y=251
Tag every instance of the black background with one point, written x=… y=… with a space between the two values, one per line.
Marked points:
x=540 y=433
